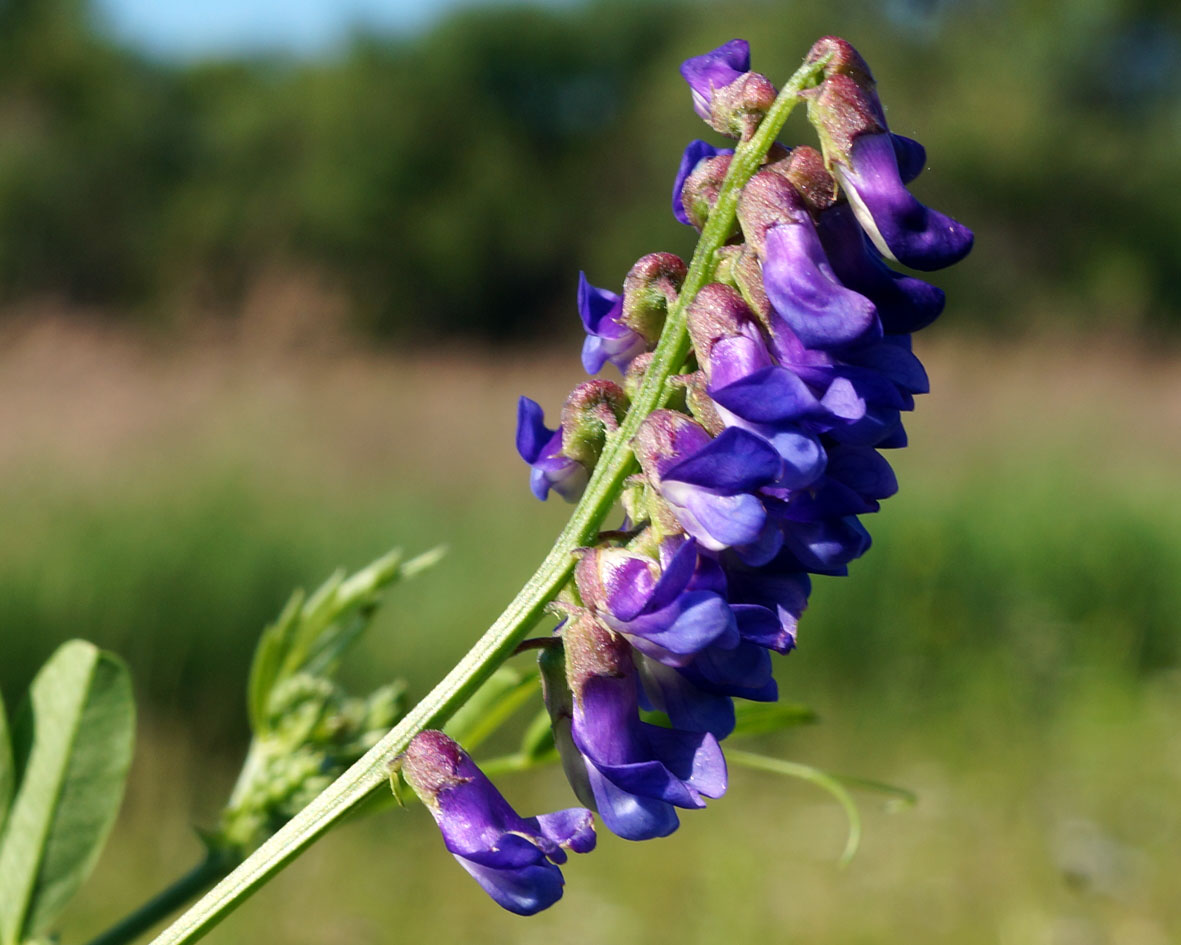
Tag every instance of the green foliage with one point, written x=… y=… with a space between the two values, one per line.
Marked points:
x=306 y=728
x=72 y=743
x=136 y=184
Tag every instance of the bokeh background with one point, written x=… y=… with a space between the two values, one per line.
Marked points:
x=272 y=277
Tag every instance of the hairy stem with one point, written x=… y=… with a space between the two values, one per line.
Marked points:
x=615 y=464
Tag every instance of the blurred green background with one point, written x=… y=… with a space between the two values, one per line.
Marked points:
x=263 y=317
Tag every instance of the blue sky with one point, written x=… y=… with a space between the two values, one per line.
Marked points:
x=194 y=28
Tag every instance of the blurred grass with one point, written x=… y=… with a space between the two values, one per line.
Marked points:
x=1008 y=649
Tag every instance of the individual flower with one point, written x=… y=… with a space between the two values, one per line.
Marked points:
x=541 y=448
x=561 y=459
x=715 y=70
x=637 y=774
x=512 y=857
x=708 y=482
x=751 y=391
x=607 y=338
x=864 y=158
x=797 y=277
x=703 y=168
x=620 y=328
x=655 y=604
x=904 y=304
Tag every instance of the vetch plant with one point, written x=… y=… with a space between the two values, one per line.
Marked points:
x=760 y=384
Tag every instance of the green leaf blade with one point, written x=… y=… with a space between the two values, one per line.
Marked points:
x=72 y=743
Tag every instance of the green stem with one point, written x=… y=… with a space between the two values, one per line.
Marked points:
x=615 y=464
x=163 y=904
x=821 y=779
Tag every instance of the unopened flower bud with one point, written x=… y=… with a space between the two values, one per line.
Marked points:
x=593 y=409
x=650 y=289
x=804 y=169
x=842 y=59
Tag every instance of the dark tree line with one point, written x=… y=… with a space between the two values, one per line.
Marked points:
x=455 y=183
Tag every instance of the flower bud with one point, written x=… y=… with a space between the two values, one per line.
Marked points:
x=650 y=289
x=842 y=58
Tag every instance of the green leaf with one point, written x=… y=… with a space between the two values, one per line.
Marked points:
x=505 y=692
x=7 y=775
x=268 y=658
x=72 y=742
x=312 y=633
x=759 y=718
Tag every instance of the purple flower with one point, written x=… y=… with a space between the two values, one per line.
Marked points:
x=806 y=293
x=636 y=773
x=904 y=304
x=607 y=338
x=696 y=152
x=708 y=482
x=541 y=448
x=798 y=280
x=715 y=70
x=655 y=604
x=513 y=858
x=864 y=158
x=898 y=225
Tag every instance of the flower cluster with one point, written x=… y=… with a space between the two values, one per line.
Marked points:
x=755 y=474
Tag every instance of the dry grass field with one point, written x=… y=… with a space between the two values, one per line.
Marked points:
x=1008 y=650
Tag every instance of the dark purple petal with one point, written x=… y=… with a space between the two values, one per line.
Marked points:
x=714 y=70
x=904 y=304
x=696 y=152
x=678 y=571
x=597 y=307
x=694 y=757
x=735 y=461
x=803 y=289
x=864 y=470
x=896 y=363
x=826 y=547
x=532 y=434
x=735 y=357
x=608 y=339
x=770 y=394
x=898 y=225
x=879 y=427
x=695 y=620
x=911 y=157
x=744 y=671
x=524 y=891
x=687 y=706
